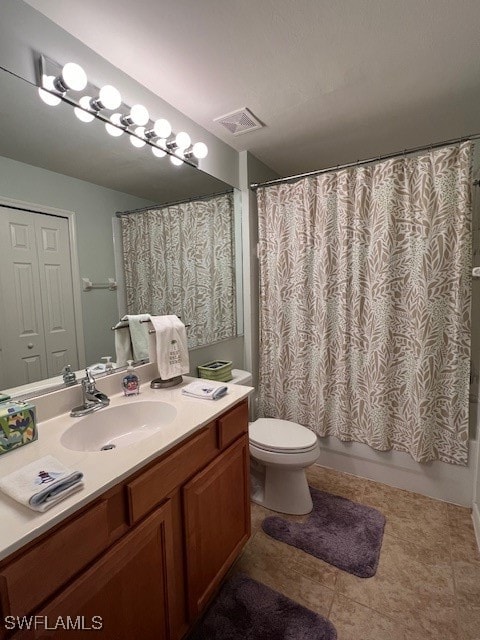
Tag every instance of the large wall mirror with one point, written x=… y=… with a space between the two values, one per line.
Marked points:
x=62 y=181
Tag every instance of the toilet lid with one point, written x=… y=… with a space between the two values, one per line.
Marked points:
x=273 y=434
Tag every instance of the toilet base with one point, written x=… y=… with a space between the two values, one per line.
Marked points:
x=285 y=490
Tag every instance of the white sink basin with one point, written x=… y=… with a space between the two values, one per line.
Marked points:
x=119 y=426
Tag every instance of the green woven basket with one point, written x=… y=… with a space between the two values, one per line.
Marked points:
x=220 y=370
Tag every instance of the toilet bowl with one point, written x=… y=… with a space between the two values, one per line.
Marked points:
x=280 y=452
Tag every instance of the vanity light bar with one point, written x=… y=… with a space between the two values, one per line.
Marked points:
x=57 y=84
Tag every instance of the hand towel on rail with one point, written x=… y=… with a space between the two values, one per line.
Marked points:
x=172 y=350
x=123 y=344
x=139 y=334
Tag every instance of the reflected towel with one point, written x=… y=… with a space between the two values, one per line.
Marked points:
x=123 y=344
x=42 y=484
x=139 y=334
x=205 y=389
x=172 y=349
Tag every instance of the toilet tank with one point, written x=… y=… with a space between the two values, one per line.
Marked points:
x=241 y=377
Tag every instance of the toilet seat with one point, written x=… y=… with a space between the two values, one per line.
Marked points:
x=281 y=436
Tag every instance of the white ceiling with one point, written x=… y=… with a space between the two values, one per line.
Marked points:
x=333 y=80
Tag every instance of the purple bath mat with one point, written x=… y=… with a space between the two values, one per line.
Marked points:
x=248 y=610
x=341 y=532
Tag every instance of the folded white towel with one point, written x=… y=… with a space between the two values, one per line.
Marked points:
x=172 y=349
x=123 y=344
x=42 y=484
x=205 y=389
x=139 y=334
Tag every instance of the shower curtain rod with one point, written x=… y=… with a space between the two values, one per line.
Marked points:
x=388 y=156
x=119 y=214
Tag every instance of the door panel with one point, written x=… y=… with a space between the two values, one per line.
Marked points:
x=122 y=596
x=38 y=335
x=217 y=519
x=57 y=292
x=23 y=341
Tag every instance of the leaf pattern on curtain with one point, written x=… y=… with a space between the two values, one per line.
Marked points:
x=180 y=260
x=365 y=284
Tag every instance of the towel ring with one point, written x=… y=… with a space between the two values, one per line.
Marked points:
x=159 y=383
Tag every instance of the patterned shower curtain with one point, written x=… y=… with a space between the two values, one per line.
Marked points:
x=365 y=303
x=180 y=260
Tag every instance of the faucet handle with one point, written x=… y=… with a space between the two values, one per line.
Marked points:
x=69 y=377
x=88 y=383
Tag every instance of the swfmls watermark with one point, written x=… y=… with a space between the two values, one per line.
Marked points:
x=67 y=623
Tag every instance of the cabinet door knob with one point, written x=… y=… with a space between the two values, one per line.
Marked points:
x=30 y=345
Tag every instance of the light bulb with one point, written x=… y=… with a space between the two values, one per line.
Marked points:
x=49 y=98
x=111 y=129
x=159 y=148
x=109 y=97
x=177 y=158
x=182 y=140
x=84 y=116
x=74 y=77
x=139 y=115
x=200 y=150
x=160 y=153
x=139 y=131
x=162 y=128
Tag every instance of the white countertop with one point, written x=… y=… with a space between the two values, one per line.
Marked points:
x=101 y=469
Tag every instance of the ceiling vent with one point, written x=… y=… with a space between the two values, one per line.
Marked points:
x=240 y=121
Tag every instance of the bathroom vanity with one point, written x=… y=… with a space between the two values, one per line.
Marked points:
x=143 y=558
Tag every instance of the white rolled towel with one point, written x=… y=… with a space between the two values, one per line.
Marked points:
x=42 y=484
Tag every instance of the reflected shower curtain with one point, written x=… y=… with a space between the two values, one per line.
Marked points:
x=179 y=259
x=365 y=303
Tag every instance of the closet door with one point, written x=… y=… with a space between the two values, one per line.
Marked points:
x=37 y=334
x=23 y=337
x=55 y=273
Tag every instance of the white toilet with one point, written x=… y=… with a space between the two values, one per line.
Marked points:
x=280 y=452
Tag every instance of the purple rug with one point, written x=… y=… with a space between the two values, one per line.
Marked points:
x=248 y=610
x=341 y=532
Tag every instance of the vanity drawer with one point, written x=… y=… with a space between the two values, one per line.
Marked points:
x=153 y=486
x=232 y=424
x=38 y=572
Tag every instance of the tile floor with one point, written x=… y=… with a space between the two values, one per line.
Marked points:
x=427 y=585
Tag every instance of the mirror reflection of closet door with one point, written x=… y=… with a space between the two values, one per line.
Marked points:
x=38 y=325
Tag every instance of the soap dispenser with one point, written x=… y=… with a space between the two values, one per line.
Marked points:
x=130 y=383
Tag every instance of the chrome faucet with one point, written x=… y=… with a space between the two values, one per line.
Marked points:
x=93 y=399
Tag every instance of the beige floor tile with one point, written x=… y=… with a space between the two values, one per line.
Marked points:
x=417 y=594
x=340 y=484
x=258 y=514
x=467 y=583
x=356 y=622
x=469 y=622
x=280 y=575
x=263 y=549
x=411 y=516
x=462 y=535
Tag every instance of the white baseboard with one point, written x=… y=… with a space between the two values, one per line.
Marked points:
x=476 y=523
x=440 y=480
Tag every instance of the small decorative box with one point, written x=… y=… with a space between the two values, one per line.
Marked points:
x=17 y=425
x=220 y=370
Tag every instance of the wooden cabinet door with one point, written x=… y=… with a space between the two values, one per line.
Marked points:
x=217 y=521
x=125 y=593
